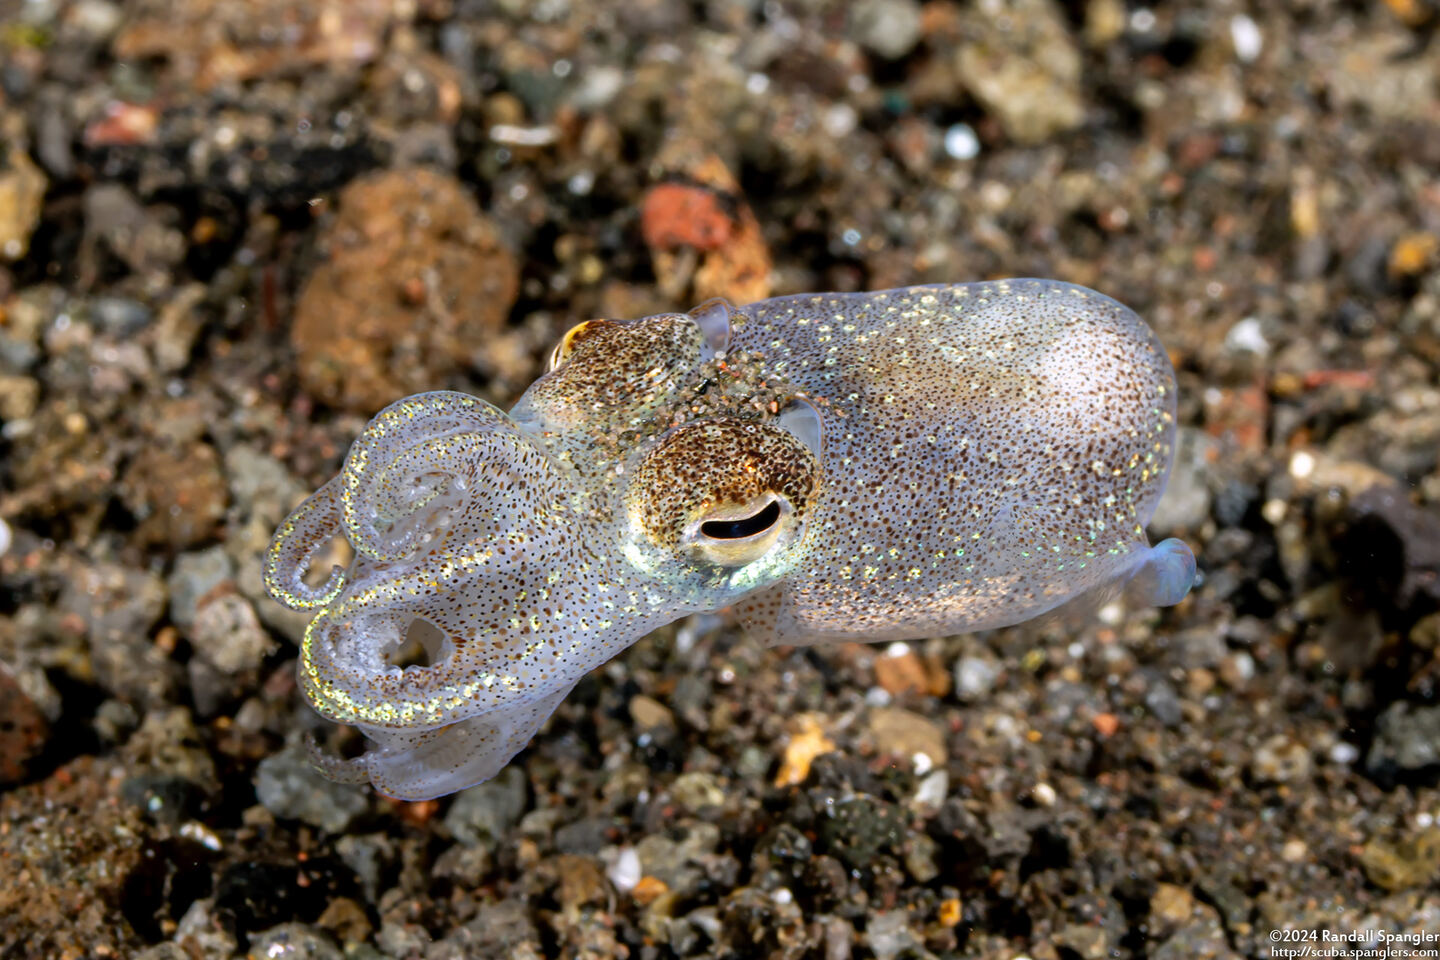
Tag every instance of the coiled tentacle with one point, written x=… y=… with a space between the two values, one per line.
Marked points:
x=309 y=527
x=398 y=465
x=344 y=677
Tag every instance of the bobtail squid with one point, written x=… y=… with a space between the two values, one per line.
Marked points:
x=866 y=466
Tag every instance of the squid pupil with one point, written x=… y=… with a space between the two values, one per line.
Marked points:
x=743 y=527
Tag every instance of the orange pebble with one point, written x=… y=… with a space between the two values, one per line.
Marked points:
x=1106 y=724
x=648 y=890
x=681 y=215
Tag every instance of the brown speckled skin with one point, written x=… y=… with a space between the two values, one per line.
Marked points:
x=948 y=458
x=683 y=474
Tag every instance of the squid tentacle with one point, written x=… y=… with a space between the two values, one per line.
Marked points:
x=362 y=690
x=309 y=526
x=432 y=473
x=338 y=769
x=403 y=436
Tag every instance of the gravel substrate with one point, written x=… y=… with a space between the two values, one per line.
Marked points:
x=232 y=230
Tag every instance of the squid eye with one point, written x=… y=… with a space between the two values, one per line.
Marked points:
x=736 y=536
x=723 y=504
x=567 y=343
x=742 y=527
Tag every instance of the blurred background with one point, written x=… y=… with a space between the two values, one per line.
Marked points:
x=232 y=230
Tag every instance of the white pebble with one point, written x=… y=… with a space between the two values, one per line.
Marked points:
x=1343 y=754
x=1274 y=511
x=1302 y=464
x=1247 y=337
x=582 y=183
x=930 y=795
x=5 y=537
x=1246 y=37
x=516 y=135
x=624 y=871
x=974 y=678
x=840 y=120
x=1044 y=794
x=961 y=142
x=598 y=87
x=201 y=834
